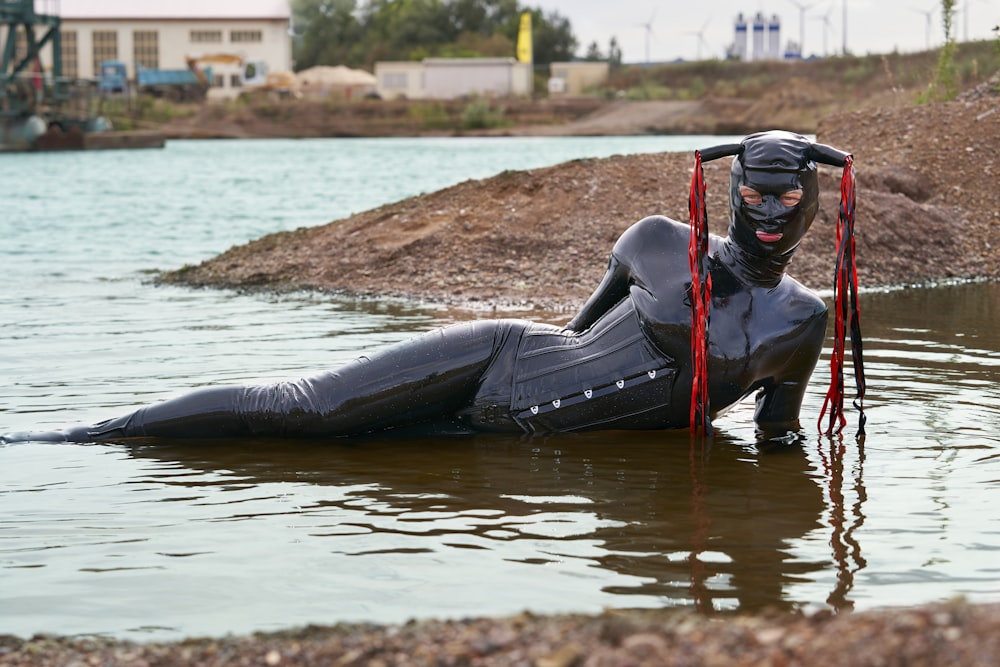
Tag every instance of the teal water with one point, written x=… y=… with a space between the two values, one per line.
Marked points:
x=169 y=541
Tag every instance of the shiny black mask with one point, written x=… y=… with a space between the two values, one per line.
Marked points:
x=772 y=163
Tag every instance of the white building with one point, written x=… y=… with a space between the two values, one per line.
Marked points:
x=572 y=79
x=449 y=78
x=739 y=50
x=397 y=79
x=758 y=38
x=773 y=51
x=759 y=28
x=162 y=35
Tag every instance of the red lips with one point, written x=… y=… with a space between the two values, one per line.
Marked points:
x=768 y=238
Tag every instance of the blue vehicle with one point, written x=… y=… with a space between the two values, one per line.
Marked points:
x=180 y=85
x=114 y=77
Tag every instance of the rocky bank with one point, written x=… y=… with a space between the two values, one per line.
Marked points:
x=944 y=635
x=928 y=209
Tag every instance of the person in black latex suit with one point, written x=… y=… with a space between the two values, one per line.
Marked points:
x=623 y=362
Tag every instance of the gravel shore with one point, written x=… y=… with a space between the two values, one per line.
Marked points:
x=946 y=634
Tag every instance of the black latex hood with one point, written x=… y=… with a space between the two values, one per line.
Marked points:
x=766 y=235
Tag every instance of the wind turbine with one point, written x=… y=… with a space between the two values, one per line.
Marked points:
x=802 y=24
x=826 y=27
x=701 y=36
x=965 y=20
x=965 y=17
x=928 y=13
x=648 y=25
x=843 y=50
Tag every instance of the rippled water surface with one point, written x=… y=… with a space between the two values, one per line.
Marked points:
x=177 y=539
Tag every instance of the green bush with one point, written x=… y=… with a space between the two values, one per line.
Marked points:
x=433 y=116
x=649 y=91
x=996 y=48
x=944 y=85
x=480 y=115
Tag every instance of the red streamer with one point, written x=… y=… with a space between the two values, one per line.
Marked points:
x=701 y=299
x=845 y=297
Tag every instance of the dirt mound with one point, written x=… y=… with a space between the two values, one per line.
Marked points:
x=928 y=210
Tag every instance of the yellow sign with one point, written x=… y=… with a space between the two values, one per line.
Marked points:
x=524 y=54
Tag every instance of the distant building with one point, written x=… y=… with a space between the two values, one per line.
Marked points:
x=400 y=79
x=739 y=50
x=758 y=38
x=161 y=35
x=759 y=28
x=450 y=78
x=572 y=79
x=773 y=50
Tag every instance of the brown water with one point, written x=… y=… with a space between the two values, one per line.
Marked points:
x=180 y=538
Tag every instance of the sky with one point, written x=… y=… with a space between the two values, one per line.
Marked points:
x=705 y=27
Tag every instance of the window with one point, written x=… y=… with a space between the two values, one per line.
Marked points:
x=234 y=81
x=105 y=48
x=394 y=80
x=70 y=59
x=246 y=36
x=206 y=36
x=146 y=47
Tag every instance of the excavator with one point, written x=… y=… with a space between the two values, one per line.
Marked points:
x=253 y=74
x=192 y=83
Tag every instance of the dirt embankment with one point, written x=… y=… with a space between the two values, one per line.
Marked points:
x=928 y=210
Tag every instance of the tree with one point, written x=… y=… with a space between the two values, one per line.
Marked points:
x=485 y=17
x=475 y=45
x=944 y=85
x=614 y=53
x=407 y=29
x=330 y=31
x=349 y=32
x=594 y=53
x=614 y=57
x=553 y=37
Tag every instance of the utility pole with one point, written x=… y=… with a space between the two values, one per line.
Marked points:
x=845 y=28
x=802 y=25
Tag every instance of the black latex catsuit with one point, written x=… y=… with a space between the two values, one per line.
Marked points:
x=622 y=363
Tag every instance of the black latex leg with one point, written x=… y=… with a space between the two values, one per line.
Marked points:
x=425 y=379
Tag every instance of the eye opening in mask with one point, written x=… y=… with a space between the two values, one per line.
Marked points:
x=752 y=197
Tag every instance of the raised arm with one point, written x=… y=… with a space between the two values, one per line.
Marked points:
x=612 y=289
x=650 y=254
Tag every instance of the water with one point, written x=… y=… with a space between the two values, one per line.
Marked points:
x=165 y=541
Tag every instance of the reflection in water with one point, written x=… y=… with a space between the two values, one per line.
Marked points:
x=258 y=535
x=712 y=530
x=846 y=549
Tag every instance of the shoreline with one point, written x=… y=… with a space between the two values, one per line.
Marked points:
x=954 y=633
